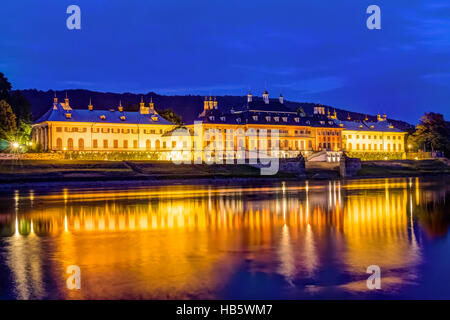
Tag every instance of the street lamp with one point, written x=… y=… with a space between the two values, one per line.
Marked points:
x=15 y=145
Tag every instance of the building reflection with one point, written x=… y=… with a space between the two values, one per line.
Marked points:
x=188 y=242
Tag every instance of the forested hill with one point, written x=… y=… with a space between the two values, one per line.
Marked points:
x=188 y=107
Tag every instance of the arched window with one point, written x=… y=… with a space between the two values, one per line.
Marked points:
x=147 y=144
x=70 y=144
x=80 y=144
x=59 y=144
x=157 y=145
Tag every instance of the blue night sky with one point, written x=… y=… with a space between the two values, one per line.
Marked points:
x=311 y=51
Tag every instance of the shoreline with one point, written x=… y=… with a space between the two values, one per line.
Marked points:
x=45 y=174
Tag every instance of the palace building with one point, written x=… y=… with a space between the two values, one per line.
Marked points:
x=252 y=126
x=258 y=124
x=368 y=136
x=65 y=129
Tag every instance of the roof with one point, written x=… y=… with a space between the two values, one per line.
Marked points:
x=382 y=126
x=58 y=113
x=267 y=117
x=274 y=105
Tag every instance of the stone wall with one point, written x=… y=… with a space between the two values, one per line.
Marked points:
x=349 y=167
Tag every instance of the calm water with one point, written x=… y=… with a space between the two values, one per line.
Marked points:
x=281 y=240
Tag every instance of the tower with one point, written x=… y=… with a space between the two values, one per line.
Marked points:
x=55 y=99
x=266 y=97
x=249 y=96
x=152 y=106
x=142 y=108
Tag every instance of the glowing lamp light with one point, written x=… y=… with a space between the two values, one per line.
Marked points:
x=15 y=145
x=64 y=148
x=385 y=158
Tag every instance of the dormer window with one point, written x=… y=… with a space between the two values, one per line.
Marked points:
x=360 y=126
x=276 y=119
x=102 y=117
x=68 y=115
x=297 y=119
x=330 y=122
x=284 y=119
x=238 y=120
x=154 y=118
x=268 y=118
x=122 y=118
x=211 y=118
x=322 y=122
x=222 y=118
x=255 y=118
x=371 y=127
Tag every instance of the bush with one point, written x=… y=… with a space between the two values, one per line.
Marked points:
x=371 y=156
x=116 y=156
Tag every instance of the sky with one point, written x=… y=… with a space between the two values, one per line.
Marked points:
x=310 y=51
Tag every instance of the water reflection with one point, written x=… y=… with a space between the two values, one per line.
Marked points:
x=280 y=241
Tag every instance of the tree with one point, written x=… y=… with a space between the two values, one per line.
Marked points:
x=20 y=106
x=5 y=87
x=8 y=125
x=432 y=134
x=171 y=116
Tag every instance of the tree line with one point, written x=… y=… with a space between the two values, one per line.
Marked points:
x=15 y=117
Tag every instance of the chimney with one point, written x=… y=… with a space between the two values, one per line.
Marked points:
x=281 y=98
x=266 y=97
x=55 y=99
x=215 y=103
x=249 y=97
x=120 y=106
x=90 y=106
x=66 y=100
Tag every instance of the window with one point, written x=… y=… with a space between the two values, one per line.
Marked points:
x=357 y=146
x=135 y=144
x=125 y=144
x=158 y=145
x=147 y=144
x=174 y=144
x=164 y=144
x=95 y=143
x=255 y=118
x=59 y=144
x=70 y=144
x=80 y=144
x=349 y=146
x=116 y=144
x=296 y=119
x=58 y=129
x=105 y=144
x=284 y=119
x=105 y=130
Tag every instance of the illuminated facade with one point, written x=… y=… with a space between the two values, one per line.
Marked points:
x=253 y=127
x=258 y=124
x=65 y=129
x=367 y=136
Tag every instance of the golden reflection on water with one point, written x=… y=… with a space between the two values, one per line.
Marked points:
x=190 y=241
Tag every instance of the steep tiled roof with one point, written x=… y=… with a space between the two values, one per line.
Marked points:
x=58 y=113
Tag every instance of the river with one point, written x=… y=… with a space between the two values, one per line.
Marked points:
x=280 y=240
